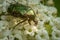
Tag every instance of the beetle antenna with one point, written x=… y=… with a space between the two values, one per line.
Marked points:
x=15 y=1
x=8 y=2
x=27 y=2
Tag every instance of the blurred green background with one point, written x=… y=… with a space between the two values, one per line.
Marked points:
x=57 y=5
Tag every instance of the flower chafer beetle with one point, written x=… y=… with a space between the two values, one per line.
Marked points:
x=22 y=11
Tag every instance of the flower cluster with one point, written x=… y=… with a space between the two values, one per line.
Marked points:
x=48 y=27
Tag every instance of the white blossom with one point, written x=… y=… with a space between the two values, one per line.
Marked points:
x=43 y=14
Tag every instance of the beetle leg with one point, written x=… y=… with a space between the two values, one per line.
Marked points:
x=19 y=23
x=29 y=21
x=36 y=22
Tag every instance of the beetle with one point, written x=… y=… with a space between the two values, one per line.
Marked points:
x=22 y=11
